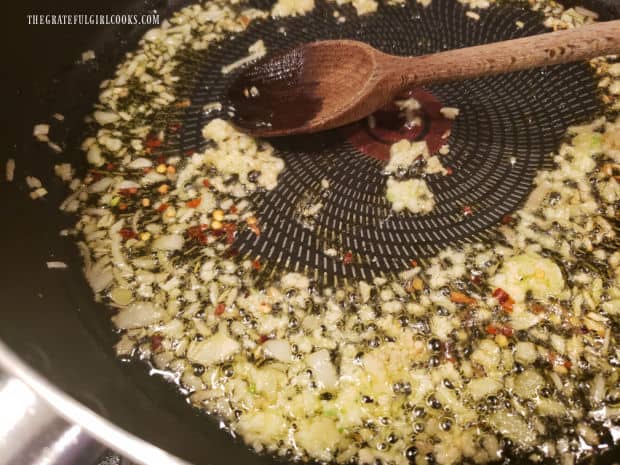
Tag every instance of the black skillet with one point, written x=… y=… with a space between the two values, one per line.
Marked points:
x=49 y=318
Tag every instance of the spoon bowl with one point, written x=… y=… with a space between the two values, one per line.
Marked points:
x=297 y=90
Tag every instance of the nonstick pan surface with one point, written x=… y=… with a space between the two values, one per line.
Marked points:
x=509 y=125
x=50 y=319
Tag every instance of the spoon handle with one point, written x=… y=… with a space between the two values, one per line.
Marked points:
x=552 y=48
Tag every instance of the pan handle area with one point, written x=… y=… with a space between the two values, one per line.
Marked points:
x=48 y=427
x=31 y=433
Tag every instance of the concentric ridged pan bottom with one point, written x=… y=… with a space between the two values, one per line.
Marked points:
x=507 y=128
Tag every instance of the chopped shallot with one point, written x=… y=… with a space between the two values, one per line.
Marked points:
x=57 y=265
x=10 y=169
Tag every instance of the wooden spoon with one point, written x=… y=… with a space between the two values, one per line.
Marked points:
x=326 y=84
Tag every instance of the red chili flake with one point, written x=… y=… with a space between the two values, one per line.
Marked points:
x=233 y=209
x=109 y=166
x=414 y=263
x=491 y=329
x=467 y=210
x=96 y=176
x=555 y=359
x=538 y=308
x=231 y=252
x=508 y=305
x=122 y=206
x=194 y=203
x=189 y=153
x=504 y=299
x=507 y=331
x=162 y=208
x=475 y=278
x=174 y=127
x=449 y=171
x=127 y=233
x=461 y=298
x=347 y=258
x=161 y=160
x=153 y=141
x=507 y=219
x=256 y=264
x=196 y=232
x=219 y=309
x=264 y=338
x=128 y=192
x=206 y=183
x=230 y=229
x=156 y=340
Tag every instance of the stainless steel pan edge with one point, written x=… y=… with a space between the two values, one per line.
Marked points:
x=71 y=442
